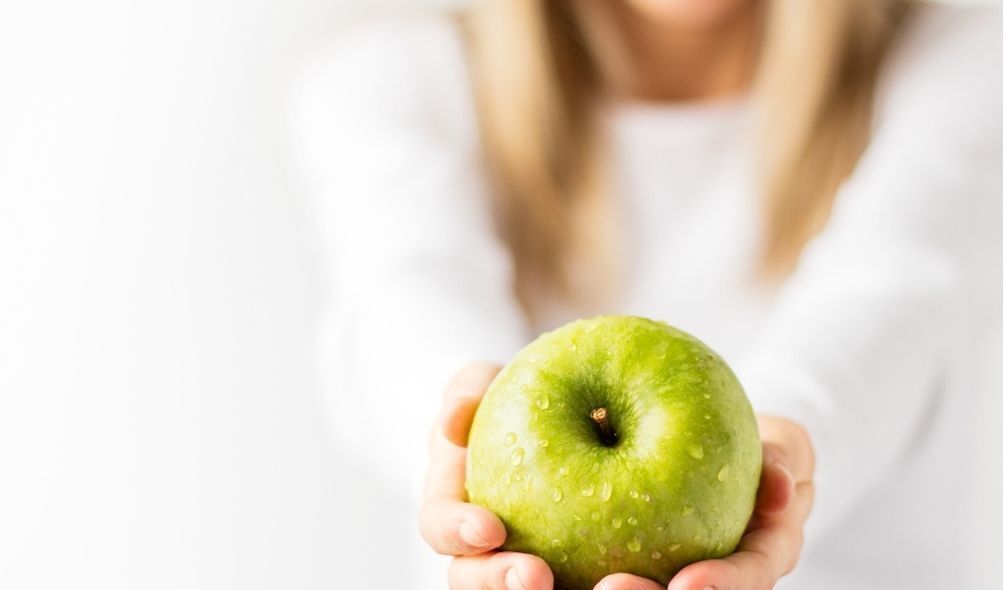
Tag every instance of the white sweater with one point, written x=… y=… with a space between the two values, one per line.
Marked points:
x=884 y=342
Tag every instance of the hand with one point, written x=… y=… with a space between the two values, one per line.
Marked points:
x=452 y=526
x=773 y=539
x=768 y=551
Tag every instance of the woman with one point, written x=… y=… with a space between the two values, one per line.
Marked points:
x=812 y=188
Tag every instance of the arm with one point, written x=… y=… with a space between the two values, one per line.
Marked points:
x=420 y=283
x=864 y=329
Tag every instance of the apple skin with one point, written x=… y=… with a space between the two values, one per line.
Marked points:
x=679 y=483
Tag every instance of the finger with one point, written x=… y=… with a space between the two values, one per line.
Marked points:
x=447 y=470
x=764 y=555
x=456 y=528
x=461 y=398
x=780 y=537
x=449 y=524
x=627 y=582
x=777 y=485
x=471 y=381
x=448 y=459
x=739 y=571
x=805 y=496
x=792 y=444
x=500 y=571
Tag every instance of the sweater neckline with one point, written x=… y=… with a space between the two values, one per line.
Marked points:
x=666 y=121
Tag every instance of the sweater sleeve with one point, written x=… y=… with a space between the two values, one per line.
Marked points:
x=861 y=332
x=419 y=280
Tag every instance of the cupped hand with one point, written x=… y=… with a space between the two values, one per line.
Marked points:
x=471 y=534
x=773 y=540
x=454 y=527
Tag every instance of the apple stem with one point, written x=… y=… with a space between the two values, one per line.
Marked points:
x=607 y=435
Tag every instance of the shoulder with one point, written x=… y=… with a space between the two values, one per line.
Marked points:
x=945 y=69
x=400 y=75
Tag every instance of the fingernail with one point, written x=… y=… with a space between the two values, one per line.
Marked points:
x=471 y=536
x=512 y=581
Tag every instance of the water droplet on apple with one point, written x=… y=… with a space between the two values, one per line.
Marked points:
x=632 y=521
x=595 y=516
x=674 y=547
x=634 y=545
x=562 y=558
x=633 y=493
x=656 y=555
x=646 y=497
x=602 y=548
x=696 y=451
x=660 y=528
x=588 y=491
x=542 y=443
x=563 y=471
x=517 y=476
x=616 y=523
x=707 y=416
x=510 y=439
x=688 y=510
x=723 y=473
x=577 y=517
x=707 y=396
x=543 y=402
x=517 y=456
x=555 y=542
x=605 y=490
x=556 y=495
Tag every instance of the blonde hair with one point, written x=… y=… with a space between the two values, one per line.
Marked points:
x=537 y=81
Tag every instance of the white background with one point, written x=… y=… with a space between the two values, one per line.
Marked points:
x=159 y=290
x=160 y=425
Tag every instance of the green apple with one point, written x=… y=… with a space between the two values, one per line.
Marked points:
x=616 y=444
